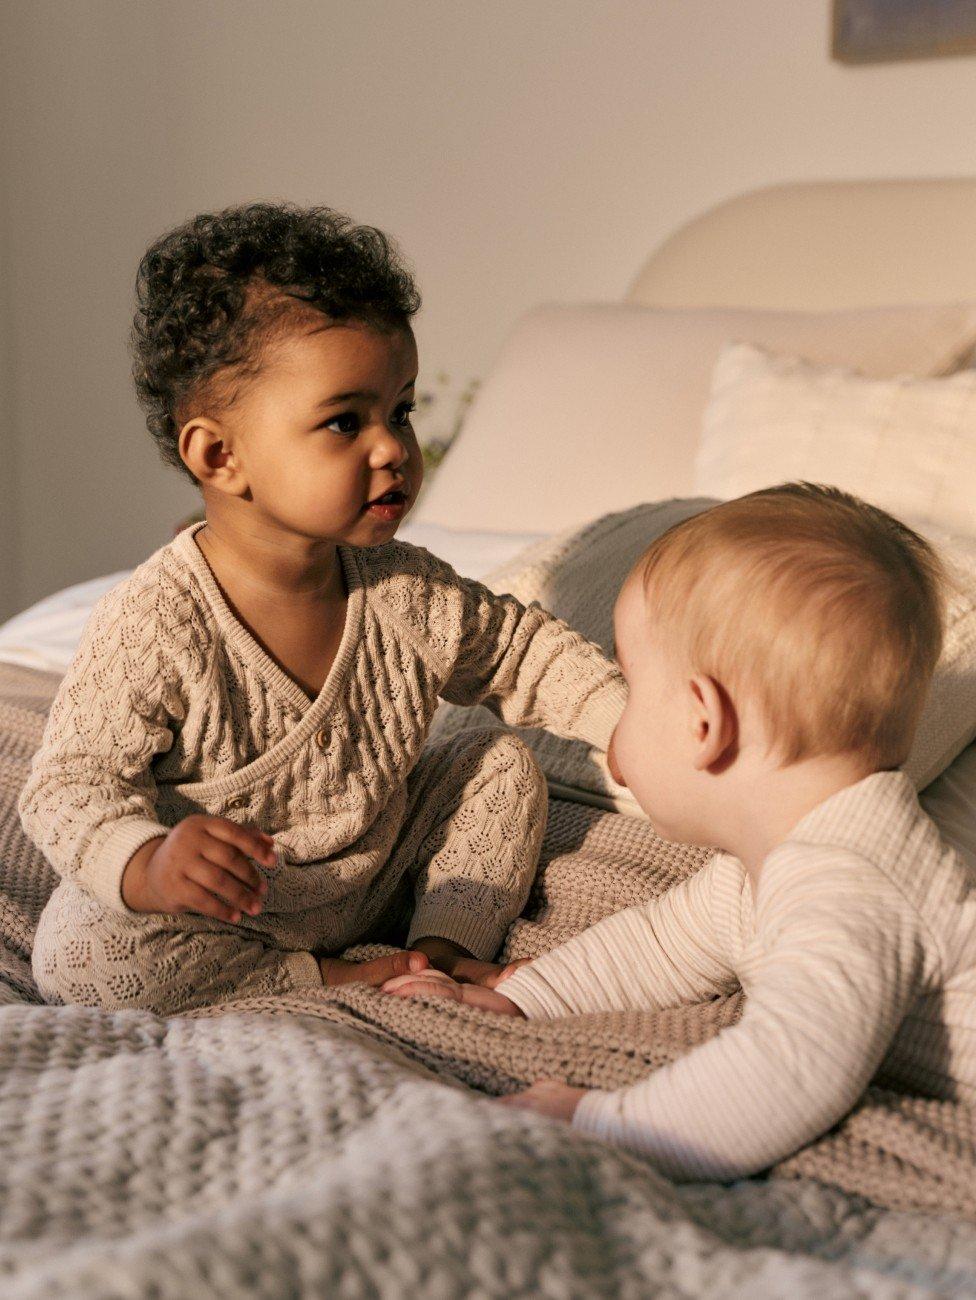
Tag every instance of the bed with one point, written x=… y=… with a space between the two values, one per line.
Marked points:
x=345 y=1144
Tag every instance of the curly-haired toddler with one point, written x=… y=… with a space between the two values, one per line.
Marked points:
x=233 y=782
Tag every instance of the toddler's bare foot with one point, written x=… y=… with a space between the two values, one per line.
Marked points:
x=336 y=970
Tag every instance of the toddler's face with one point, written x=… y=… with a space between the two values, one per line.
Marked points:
x=652 y=751
x=323 y=432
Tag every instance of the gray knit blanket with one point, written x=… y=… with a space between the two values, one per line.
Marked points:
x=345 y=1143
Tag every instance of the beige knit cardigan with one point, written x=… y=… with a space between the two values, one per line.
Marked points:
x=172 y=707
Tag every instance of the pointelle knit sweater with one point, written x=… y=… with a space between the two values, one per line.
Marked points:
x=172 y=707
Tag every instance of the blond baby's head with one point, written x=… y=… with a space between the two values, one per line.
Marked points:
x=810 y=618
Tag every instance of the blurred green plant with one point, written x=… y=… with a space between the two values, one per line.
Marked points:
x=439 y=417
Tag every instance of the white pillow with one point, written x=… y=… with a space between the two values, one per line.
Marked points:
x=577 y=575
x=45 y=636
x=596 y=408
x=905 y=444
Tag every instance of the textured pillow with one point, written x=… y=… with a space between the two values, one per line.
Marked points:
x=578 y=575
x=908 y=445
x=596 y=408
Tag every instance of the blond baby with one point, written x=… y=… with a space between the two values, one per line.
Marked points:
x=778 y=650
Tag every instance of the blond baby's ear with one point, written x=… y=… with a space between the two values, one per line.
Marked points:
x=715 y=724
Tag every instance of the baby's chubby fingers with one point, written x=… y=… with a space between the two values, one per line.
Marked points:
x=546 y=1097
x=199 y=899
x=248 y=839
x=493 y=981
x=526 y=1099
x=433 y=982
x=224 y=885
x=232 y=863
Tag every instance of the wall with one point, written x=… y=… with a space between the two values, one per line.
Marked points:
x=520 y=151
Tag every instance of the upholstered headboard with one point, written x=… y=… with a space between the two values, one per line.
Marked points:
x=821 y=245
x=592 y=407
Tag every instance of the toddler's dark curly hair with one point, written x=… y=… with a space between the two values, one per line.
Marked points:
x=214 y=291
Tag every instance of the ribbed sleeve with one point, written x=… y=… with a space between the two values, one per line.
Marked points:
x=836 y=961
x=658 y=954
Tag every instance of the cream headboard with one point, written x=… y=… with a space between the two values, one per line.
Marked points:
x=821 y=245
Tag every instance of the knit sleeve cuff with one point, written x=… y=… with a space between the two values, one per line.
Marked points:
x=480 y=935
x=597 y=1114
x=303 y=970
x=533 y=995
x=600 y=713
x=108 y=854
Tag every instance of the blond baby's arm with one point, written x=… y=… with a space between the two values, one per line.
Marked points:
x=835 y=966
x=659 y=954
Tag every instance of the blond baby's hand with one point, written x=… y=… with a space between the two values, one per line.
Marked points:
x=435 y=984
x=200 y=866
x=547 y=1097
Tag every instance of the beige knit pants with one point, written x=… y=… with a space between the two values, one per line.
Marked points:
x=463 y=795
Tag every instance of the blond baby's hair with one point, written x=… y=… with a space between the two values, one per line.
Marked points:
x=822 y=610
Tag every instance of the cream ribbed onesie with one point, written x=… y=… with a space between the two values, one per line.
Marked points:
x=172 y=707
x=857 y=956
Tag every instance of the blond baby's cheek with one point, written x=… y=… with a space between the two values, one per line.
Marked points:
x=612 y=763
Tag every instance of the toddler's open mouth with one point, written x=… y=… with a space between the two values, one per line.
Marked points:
x=389 y=505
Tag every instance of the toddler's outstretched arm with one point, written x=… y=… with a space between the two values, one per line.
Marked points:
x=522 y=662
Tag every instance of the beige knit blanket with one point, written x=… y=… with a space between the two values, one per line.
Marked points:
x=324 y=1143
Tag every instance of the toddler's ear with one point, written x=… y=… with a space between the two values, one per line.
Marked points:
x=209 y=455
x=716 y=727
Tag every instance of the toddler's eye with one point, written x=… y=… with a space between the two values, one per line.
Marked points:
x=347 y=423
x=401 y=416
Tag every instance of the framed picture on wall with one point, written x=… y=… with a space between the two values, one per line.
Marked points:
x=875 y=31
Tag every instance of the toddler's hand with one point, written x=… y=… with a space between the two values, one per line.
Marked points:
x=547 y=1097
x=200 y=866
x=468 y=970
x=435 y=984
x=493 y=981
x=378 y=970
